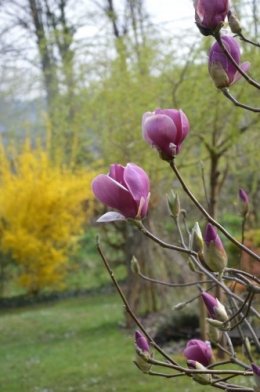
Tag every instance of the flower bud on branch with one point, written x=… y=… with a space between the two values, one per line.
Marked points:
x=221 y=69
x=234 y=23
x=204 y=378
x=210 y=15
x=243 y=203
x=165 y=130
x=174 y=204
x=142 y=352
x=198 y=350
x=215 y=256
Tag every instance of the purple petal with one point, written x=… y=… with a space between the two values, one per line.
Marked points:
x=256 y=369
x=117 y=173
x=256 y=373
x=137 y=181
x=159 y=131
x=245 y=67
x=199 y=351
x=210 y=303
x=212 y=12
x=141 y=342
x=210 y=234
x=114 y=195
x=243 y=195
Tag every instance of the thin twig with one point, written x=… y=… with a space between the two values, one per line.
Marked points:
x=172 y=284
x=227 y=94
x=207 y=215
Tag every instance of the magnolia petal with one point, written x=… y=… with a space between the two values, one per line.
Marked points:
x=117 y=173
x=114 y=195
x=137 y=181
x=245 y=67
x=159 y=131
x=110 y=217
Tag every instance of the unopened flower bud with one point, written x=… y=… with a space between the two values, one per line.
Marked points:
x=214 y=334
x=198 y=350
x=216 y=310
x=179 y=306
x=135 y=265
x=203 y=378
x=247 y=344
x=197 y=243
x=215 y=323
x=174 y=204
x=142 y=352
x=214 y=253
x=243 y=203
x=234 y=23
x=222 y=326
x=191 y=265
x=221 y=69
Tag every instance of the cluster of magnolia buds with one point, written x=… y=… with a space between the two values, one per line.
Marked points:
x=198 y=353
x=210 y=18
x=210 y=249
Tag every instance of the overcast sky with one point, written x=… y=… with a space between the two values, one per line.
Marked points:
x=174 y=12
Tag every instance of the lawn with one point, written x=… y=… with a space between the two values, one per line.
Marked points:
x=72 y=346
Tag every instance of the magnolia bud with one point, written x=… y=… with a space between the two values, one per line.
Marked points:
x=215 y=323
x=174 y=204
x=214 y=253
x=219 y=324
x=179 y=306
x=142 y=352
x=247 y=344
x=135 y=267
x=216 y=310
x=214 y=334
x=243 y=203
x=234 y=23
x=191 y=265
x=203 y=378
x=196 y=242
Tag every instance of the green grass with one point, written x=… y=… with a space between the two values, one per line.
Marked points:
x=73 y=346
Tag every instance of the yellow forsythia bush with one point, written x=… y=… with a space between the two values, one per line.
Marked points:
x=42 y=210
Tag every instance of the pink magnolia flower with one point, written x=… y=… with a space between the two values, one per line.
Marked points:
x=199 y=351
x=221 y=69
x=165 y=130
x=208 y=14
x=126 y=189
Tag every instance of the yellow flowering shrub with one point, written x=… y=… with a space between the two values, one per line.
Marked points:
x=42 y=210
